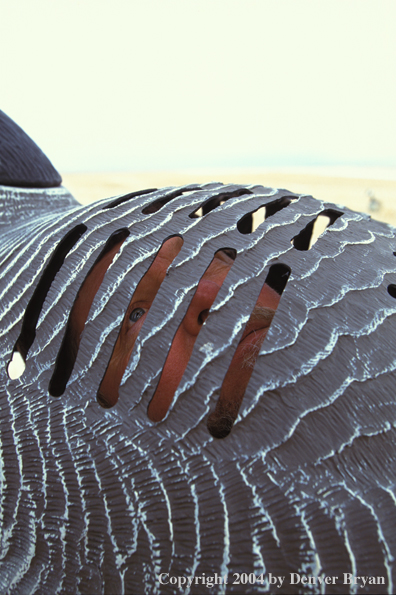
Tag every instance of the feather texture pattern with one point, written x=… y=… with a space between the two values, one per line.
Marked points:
x=97 y=500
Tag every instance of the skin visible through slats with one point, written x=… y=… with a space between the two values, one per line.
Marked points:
x=79 y=313
x=86 y=295
x=141 y=301
x=187 y=333
x=241 y=368
x=97 y=502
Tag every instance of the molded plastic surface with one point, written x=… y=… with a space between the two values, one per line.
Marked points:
x=96 y=500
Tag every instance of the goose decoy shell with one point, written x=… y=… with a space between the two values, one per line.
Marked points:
x=191 y=398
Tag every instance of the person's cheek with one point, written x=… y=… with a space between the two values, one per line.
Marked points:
x=172 y=373
x=108 y=390
x=235 y=383
x=184 y=339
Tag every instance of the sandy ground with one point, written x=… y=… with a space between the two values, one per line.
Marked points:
x=370 y=190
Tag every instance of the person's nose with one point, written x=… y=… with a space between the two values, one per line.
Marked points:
x=200 y=305
x=181 y=348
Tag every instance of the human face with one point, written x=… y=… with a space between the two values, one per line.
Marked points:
x=242 y=364
x=238 y=375
x=183 y=342
x=134 y=319
x=75 y=325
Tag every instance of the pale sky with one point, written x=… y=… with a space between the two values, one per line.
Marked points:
x=112 y=85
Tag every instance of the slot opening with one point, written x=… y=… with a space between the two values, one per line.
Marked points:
x=157 y=204
x=68 y=351
x=216 y=201
x=183 y=342
x=392 y=290
x=250 y=221
x=235 y=382
x=314 y=229
x=134 y=318
x=126 y=197
x=27 y=335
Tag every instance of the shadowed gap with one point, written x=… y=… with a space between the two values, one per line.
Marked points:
x=235 y=382
x=392 y=290
x=25 y=340
x=188 y=331
x=122 y=199
x=216 y=201
x=79 y=313
x=250 y=221
x=134 y=318
x=156 y=205
x=311 y=232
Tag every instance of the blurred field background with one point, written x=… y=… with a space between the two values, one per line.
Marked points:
x=372 y=190
x=122 y=95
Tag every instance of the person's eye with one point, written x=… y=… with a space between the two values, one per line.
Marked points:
x=136 y=314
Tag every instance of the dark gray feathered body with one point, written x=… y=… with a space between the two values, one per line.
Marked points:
x=96 y=500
